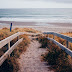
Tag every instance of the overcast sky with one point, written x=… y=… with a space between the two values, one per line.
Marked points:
x=35 y=3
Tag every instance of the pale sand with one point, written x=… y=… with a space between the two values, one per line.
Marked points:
x=44 y=28
x=52 y=27
x=30 y=61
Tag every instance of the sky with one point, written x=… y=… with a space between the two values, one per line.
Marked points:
x=35 y=3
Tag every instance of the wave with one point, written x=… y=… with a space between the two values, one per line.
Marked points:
x=37 y=16
x=62 y=20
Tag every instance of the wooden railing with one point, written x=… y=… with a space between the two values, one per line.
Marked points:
x=68 y=39
x=10 y=49
x=10 y=38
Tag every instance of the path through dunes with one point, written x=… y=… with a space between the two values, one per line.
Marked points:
x=30 y=60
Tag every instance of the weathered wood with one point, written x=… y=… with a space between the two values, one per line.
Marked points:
x=6 y=54
x=48 y=32
x=17 y=38
x=68 y=51
x=9 y=47
x=8 y=39
x=67 y=44
x=60 y=35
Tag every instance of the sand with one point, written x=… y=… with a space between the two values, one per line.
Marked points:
x=48 y=27
x=30 y=61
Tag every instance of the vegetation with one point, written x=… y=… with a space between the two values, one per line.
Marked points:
x=56 y=57
x=11 y=63
x=43 y=41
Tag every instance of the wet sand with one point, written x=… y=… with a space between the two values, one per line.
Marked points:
x=19 y=23
x=36 y=23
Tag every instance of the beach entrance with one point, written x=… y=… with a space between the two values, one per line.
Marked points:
x=31 y=60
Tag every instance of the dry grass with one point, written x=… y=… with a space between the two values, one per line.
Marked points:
x=11 y=64
x=5 y=32
x=68 y=34
x=62 y=41
x=25 y=30
x=43 y=41
x=56 y=56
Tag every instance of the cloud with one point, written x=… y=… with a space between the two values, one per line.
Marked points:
x=34 y=4
x=61 y=1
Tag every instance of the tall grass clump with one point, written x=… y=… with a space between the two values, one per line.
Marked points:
x=43 y=41
x=56 y=57
x=11 y=63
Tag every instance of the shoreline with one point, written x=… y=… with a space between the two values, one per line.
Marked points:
x=36 y=23
x=48 y=27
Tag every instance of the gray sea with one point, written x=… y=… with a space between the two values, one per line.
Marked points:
x=63 y=15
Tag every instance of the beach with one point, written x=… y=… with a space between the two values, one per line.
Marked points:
x=41 y=19
x=24 y=45
x=40 y=26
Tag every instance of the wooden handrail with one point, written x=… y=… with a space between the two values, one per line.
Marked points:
x=67 y=38
x=68 y=51
x=6 y=54
x=10 y=49
x=60 y=35
x=8 y=39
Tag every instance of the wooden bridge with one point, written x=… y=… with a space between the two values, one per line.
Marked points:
x=10 y=38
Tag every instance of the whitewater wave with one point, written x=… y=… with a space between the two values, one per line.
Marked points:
x=61 y=20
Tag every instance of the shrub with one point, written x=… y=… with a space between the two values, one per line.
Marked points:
x=43 y=41
x=10 y=65
x=57 y=58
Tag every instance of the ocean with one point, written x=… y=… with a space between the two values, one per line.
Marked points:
x=62 y=15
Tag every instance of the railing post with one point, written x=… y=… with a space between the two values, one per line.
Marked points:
x=9 y=47
x=67 y=44
x=18 y=36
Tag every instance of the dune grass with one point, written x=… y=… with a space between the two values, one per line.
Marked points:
x=11 y=63
x=62 y=41
x=56 y=57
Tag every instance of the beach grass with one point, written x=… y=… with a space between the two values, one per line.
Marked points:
x=56 y=57
x=11 y=64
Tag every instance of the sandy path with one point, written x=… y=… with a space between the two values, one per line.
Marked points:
x=30 y=60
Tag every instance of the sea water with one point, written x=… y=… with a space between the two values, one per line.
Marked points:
x=62 y=15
